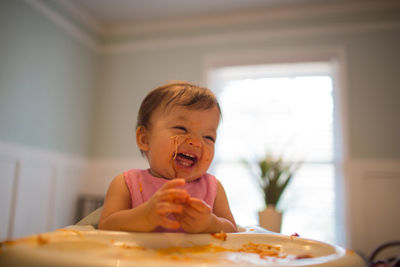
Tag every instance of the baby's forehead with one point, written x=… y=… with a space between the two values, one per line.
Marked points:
x=172 y=107
x=183 y=109
x=208 y=118
x=185 y=113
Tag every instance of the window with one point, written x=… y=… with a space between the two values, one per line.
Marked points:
x=286 y=110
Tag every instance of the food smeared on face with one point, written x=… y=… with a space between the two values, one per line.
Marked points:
x=175 y=137
x=183 y=159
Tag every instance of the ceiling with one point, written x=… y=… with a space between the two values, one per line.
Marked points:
x=121 y=13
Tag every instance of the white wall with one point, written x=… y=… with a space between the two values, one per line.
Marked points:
x=373 y=214
x=47 y=88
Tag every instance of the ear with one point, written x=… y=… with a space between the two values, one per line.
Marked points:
x=142 y=138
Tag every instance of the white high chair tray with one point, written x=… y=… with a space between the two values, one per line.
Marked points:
x=69 y=247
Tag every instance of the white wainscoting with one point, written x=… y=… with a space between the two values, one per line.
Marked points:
x=68 y=187
x=7 y=178
x=100 y=173
x=373 y=198
x=33 y=197
x=39 y=189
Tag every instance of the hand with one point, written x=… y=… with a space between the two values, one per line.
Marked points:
x=167 y=200
x=196 y=216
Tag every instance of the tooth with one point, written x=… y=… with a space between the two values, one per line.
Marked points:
x=188 y=155
x=185 y=164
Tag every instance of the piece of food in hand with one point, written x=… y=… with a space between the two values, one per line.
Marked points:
x=180 y=199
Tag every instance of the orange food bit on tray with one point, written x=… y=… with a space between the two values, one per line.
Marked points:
x=193 y=249
x=42 y=240
x=221 y=235
x=294 y=235
x=304 y=256
x=264 y=250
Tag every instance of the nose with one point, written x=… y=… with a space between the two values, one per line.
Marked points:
x=193 y=141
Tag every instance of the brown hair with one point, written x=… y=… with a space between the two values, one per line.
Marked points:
x=175 y=93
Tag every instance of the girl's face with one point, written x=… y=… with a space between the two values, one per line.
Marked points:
x=179 y=142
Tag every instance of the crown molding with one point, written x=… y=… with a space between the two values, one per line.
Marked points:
x=78 y=13
x=247 y=36
x=255 y=16
x=127 y=44
x=64 y=23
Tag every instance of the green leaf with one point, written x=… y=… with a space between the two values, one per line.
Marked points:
x=273 y=176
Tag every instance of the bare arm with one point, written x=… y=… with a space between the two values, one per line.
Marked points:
x=224 y=218
x=119 y=215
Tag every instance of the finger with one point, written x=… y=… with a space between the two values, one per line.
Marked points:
x=174 y=195
x=170 y=224
x=189 y=225
x=189 y=212
x=198 y=204
x=187 y=216
x=183 y=217
x=173 y=184
x=179 y=217
x=163 y=208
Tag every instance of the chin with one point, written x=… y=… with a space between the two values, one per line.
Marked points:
x=190 y=176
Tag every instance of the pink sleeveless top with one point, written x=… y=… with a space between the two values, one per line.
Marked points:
x=142 y=185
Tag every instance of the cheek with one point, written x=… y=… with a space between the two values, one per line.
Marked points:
x=163 y=144
x=209 y=154
x=160 y=151
x=208 y=160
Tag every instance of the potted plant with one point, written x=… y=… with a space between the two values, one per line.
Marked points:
x=273 y=175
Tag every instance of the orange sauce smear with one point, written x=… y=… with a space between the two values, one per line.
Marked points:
x=263 y=250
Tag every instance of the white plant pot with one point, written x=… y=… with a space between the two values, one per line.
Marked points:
x=270 y=219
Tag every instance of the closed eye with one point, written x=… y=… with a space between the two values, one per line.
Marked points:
x=212 y=139
x=181 y=128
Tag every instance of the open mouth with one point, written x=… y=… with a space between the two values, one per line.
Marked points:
x=185 y=159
